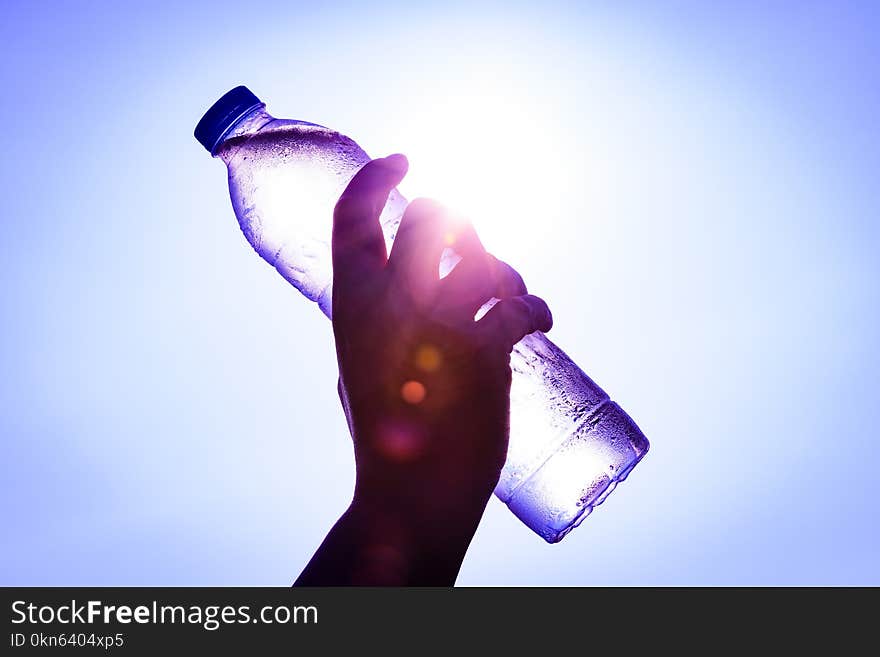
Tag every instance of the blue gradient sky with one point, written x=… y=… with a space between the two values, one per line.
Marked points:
x=692 y=186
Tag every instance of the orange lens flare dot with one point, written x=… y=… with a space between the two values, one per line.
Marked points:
x=413 y=392
x=428 y=358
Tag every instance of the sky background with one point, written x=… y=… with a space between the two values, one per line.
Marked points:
x=692 y=186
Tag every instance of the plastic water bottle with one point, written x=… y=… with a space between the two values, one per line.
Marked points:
x=570 y=445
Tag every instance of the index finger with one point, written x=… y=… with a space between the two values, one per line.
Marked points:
x=358 y=245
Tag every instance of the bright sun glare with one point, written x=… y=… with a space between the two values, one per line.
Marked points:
x=494 y=156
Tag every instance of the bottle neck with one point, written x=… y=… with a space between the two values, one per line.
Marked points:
x=249 y=124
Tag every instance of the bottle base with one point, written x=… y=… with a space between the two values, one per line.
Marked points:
x=581 y=474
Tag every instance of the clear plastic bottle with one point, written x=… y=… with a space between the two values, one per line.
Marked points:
x=570 y=445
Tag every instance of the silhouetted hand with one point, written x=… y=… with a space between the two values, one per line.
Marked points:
x=426 y=388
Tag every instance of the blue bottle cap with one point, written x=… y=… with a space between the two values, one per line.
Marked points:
x=224 y=114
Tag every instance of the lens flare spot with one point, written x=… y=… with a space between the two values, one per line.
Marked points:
x=413 y=392
x=428 y=358
x=380 y=563
x=399 y=441
x=449 y=238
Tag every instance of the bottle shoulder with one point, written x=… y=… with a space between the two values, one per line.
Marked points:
x=292 y=124
x=287 y=134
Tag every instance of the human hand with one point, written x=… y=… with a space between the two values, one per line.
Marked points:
x=426 y=388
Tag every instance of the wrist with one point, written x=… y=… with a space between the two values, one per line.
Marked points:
x=405 y=545
x=422 y=507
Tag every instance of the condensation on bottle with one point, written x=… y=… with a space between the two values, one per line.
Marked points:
x=570 y=445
